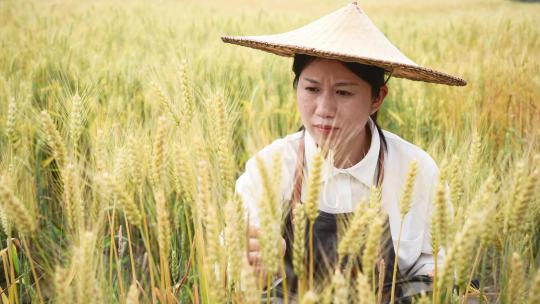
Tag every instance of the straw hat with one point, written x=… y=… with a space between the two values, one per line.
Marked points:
x=347 y=35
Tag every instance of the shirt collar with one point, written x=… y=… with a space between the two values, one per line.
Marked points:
x=363 y=171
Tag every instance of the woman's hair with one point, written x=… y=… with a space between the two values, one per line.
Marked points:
x=373 y=75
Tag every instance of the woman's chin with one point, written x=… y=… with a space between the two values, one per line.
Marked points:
x=326 y=141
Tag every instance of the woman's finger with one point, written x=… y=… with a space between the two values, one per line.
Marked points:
x=260 y=271
x=254 y=258
x=253 y=231
x=253 y=245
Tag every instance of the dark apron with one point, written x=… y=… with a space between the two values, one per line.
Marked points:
x=325 y=232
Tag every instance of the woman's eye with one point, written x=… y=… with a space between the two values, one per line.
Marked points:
x=343 y=93
x=312 y=89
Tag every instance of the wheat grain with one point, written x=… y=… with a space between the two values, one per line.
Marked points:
x=165 y=101
x=234 y=233
x=372 y=244
x=534 y=292
x=11 y=121
x=158 y=152
x=314 y=185
x=188 y=108
x=514 y=294
x=249 y=283
x=299 y=244
x=64 y=293
x=310 y=297
x=364 y=293
x=163 y=224
x=133 y=293
x=354 y=237
x=126 y=201
x=456 y=186
x=440 y=220
x=6 y=226
x=54 y=140
x=408 y=188
x=270 y=230
x=223 y=144
x=519 y=210
x=341 y=290
x=76 y=121
x=84 y=264
x=133 y=157
x=16 y=212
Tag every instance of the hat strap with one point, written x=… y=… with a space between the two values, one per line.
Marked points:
x=389 y=75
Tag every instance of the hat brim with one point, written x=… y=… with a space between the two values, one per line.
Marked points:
x=396 y=69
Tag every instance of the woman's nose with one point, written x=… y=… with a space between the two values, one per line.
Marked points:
x=326 y=106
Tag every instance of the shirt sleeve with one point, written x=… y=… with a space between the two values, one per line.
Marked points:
x=248 y=187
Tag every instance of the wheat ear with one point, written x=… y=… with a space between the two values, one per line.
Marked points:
x=19 y=215
x=54 y=139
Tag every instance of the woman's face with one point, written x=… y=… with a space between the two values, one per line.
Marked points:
x=334 y=103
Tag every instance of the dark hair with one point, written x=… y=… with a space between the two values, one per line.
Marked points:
x=373 y=75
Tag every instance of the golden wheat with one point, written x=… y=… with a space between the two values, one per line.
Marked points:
x=19 y=215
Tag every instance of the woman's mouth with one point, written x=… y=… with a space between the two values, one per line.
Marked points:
x=325 y=129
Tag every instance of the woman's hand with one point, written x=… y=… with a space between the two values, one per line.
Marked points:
x=254 y=252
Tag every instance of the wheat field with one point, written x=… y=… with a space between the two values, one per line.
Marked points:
x=124 y=125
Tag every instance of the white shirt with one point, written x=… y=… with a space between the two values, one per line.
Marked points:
x=343 y=189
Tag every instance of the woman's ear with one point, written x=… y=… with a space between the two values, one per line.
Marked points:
x=377 y=101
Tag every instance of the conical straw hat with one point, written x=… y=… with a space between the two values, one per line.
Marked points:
x=346 y=35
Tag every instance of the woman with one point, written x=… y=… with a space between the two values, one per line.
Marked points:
x=339 y=66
